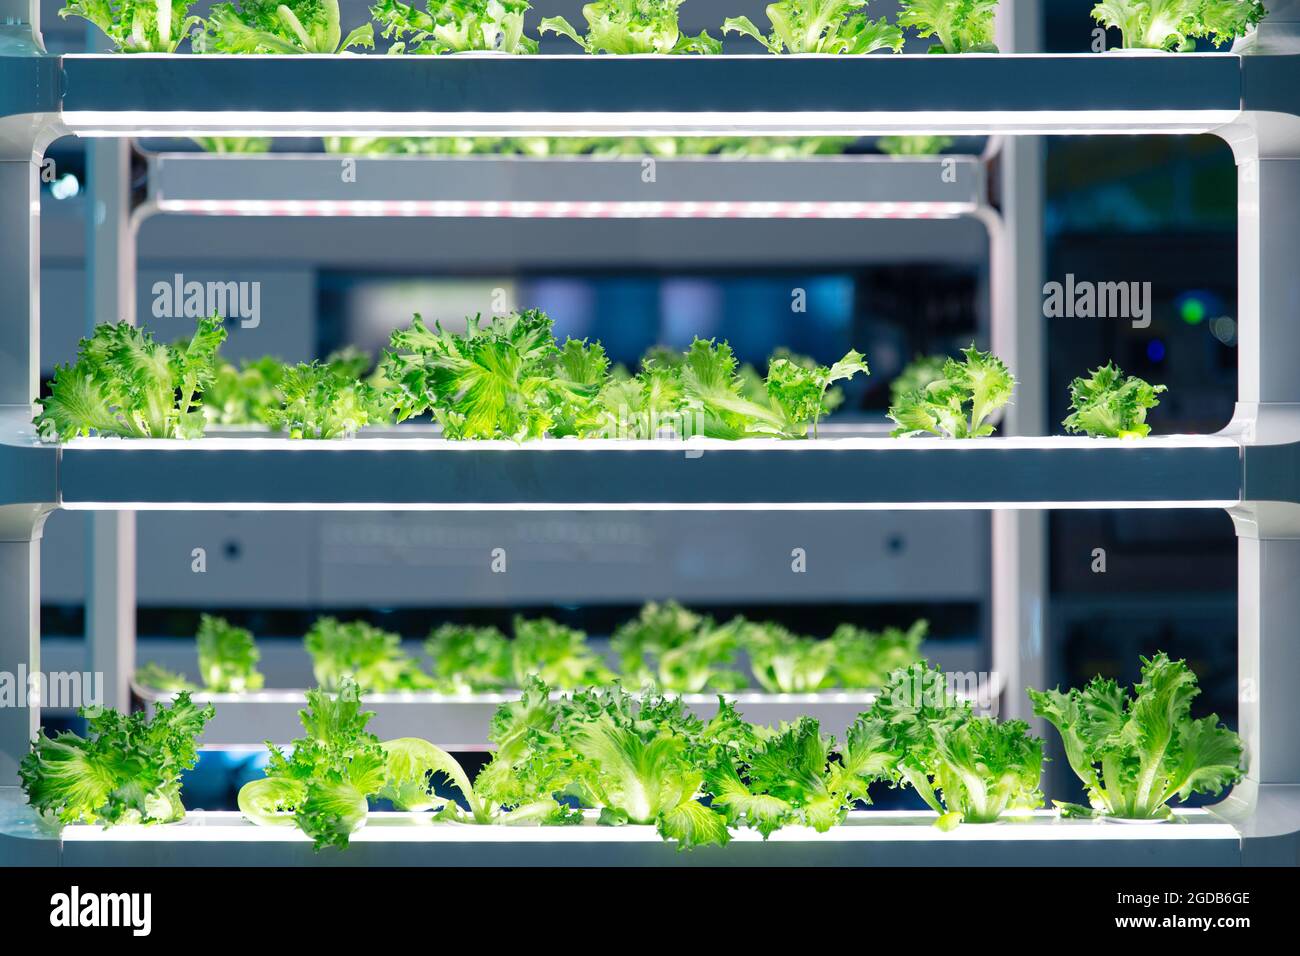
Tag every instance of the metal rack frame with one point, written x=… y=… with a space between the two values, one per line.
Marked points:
x=1249 y=99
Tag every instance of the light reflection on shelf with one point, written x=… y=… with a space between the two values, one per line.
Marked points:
x=609 y=209
x=866 y=826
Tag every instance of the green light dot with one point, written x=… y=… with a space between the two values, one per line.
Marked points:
x=1192 y=311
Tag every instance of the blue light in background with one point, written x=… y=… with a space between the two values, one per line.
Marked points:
x=1156 y=350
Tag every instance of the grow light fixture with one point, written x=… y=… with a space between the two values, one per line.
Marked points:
x=803 y=123
x=547 y=209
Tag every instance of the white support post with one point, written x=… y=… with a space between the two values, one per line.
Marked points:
x=22 y=144
x=1266 y=145
x=110 y=297
x=1018 y=568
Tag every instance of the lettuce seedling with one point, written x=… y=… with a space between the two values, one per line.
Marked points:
x=366 y=654
x=958 y=404
x=632 y=26
x=272 y=26
x=786 y=663
x=454 y=26
x=157 y=677
x=137 y=26
x=494 y=380
x=913 y=145
x=126 y=770
x=227 y=657
x=1175 y=24
x=635 y=759
x=864 y=659
x=958 y=26
x=235 y=145
x=1136 y=751
x=820 y=26
x=557 y=655
x=1108 y=404
x=678 y=650
x=713 y=393
x=467 y=659
x=916 y=376
x=126 y=384
x=316 y=402
x=967 y=768
x=797 y=777
x=646 y=406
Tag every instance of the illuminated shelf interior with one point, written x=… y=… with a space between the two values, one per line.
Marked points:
x=579 y=187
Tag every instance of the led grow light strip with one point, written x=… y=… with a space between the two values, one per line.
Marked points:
x=869 y=826
x=715 y=506
x=259 y=122
x=545 y=209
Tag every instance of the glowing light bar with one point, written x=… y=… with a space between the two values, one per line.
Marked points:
x=519 y=209
x=866 y=826
x=809 y=123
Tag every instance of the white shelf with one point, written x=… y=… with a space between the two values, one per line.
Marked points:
x=146 y=95
x=867 y=838
x=423 y=473
x=704 y=187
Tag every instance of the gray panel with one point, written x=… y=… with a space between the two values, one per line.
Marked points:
x=429 y=560
x=196 y=178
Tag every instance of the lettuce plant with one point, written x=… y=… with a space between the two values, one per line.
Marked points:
x=137 y=26
x=1176 y=24
x=1111 y=405
x=820 y=26
x=270 y=26
x=467 y=659
x=324 y=783
x=786 y=663
x=126 y=384
x=316 y=402
x=360 y=652
x=636 y=760
x=1135 y=751
x=913 y=145
x=127 y=769
x=958 y=404
x=864 y=659
x=957 y=26
x=453 y=26
x=494 y=380
x=678 y=650
x=632 y=26
x=557 y=655
x=797 y=775
x=227 y=657
x=967 y=768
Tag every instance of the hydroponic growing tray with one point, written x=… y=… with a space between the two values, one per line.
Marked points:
x=867 y=838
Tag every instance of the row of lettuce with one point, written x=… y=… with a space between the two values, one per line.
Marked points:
x=647 y=759
x=624 y=26
x=599 y=147
x=671 y=646
x=510 y=378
